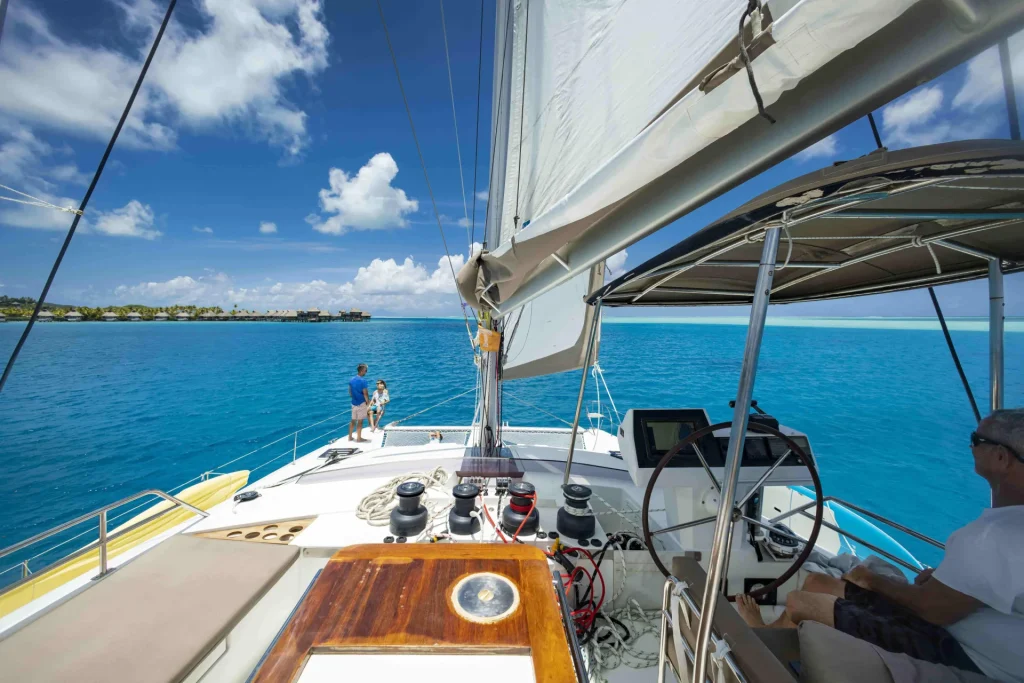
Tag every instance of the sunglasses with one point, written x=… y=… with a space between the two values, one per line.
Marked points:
x=977 y=440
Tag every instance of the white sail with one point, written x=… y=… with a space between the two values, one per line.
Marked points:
x=604 y=98
x=549 y=334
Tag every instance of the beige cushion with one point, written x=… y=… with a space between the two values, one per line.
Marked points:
x=831 y=656
x=753 y=657
x=150 y=621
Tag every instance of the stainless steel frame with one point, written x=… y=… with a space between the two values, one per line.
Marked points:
x=867 y=513
x=737 y=437
x=995 y=333
x=674 y=586
x=104 y=538
x=595 y=325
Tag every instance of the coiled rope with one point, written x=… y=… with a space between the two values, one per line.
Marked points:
x=376 y=507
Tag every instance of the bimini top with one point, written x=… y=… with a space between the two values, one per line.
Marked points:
x=886 y=222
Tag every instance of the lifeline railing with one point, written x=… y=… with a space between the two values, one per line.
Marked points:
x=721 y=655
x=104 y=538
x=217 y=469
x=802 y=509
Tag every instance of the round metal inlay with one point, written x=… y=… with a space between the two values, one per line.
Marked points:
x=485 y=598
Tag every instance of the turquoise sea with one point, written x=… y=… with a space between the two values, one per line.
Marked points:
x=98 y=411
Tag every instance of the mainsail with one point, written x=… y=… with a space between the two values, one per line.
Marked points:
x=602 y=100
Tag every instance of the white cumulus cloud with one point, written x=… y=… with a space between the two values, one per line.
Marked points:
x=824 y=148
x=205 y=231
x=268 y=228
x=134 y=219
x=382 y=286
x=230 y=66
x=364 y=201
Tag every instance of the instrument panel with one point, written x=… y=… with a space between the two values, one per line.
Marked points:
x=647 y=435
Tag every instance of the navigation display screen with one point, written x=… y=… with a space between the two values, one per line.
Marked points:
x=658 y=432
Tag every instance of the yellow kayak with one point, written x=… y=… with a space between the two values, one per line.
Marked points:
x=203 y=495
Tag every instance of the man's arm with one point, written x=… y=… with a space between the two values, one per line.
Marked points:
x=366 y=396
x=932 y=600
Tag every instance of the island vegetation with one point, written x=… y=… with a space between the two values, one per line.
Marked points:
x=20 y=308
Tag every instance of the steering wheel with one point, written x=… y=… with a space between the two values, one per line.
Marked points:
x=737 y=511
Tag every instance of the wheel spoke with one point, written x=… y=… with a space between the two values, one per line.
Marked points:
x=774 y=530
x=707 y=469
x=763 y=479
x=684 y=525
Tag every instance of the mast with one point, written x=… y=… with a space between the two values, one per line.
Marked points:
x=489 y=406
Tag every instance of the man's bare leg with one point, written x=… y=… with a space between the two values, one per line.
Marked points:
x=815 y=602
x=823 y=583
x=351 y=426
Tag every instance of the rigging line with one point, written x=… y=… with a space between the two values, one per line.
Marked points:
x=1008 y=89
x=874 y=131
x=496 y=117
x=752 y=6
x=3 y=15
x=88 y=195
x=455 y=120
x=36 y=201
x=931 y=290
x=522 y=108
x=423 y=165
x=476 y=134
x=956 y=358
x=540 y=410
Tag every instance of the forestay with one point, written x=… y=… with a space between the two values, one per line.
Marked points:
x=605 y=98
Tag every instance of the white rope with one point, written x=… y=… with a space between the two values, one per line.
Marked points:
x=600 y=374
x=36 y=201
x=458 y=151
x=376 y=507
x=916 y=241
x=789 y=241
x=607 y=649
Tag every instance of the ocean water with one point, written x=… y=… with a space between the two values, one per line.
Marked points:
x=96 y=412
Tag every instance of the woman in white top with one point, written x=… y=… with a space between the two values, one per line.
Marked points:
x=378 y=401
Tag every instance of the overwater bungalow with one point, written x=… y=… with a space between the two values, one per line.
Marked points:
x=290 y=316
x=209 y=315
x=3 y=318
x=182 y=315
x=366 y=315
x=256 y=315
x=325 y=316
x=162 y=315
x=73 y=317
x=134 y=316
x=109 y=317
x=241 y=315
x=44 y=317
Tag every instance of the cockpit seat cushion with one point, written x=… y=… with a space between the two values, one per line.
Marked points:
x=150 y=621
x=831 y=656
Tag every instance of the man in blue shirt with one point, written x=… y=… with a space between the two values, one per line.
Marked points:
x=357 y=388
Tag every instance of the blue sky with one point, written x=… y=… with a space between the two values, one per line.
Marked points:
x=269 y=163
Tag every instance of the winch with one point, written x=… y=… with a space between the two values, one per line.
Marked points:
x=410 y=517
x=575 y=518
x=464 y=518
x=521 y=515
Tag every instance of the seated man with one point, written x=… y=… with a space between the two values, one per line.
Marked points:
x=967 y=613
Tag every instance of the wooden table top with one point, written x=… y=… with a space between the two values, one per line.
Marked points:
x=386 y=598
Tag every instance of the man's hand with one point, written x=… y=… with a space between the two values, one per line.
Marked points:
x=923 y=576
x=860 y=576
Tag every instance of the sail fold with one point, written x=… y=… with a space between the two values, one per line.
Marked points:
x=604 y=99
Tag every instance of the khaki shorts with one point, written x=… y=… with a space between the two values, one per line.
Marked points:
x=359 y=412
